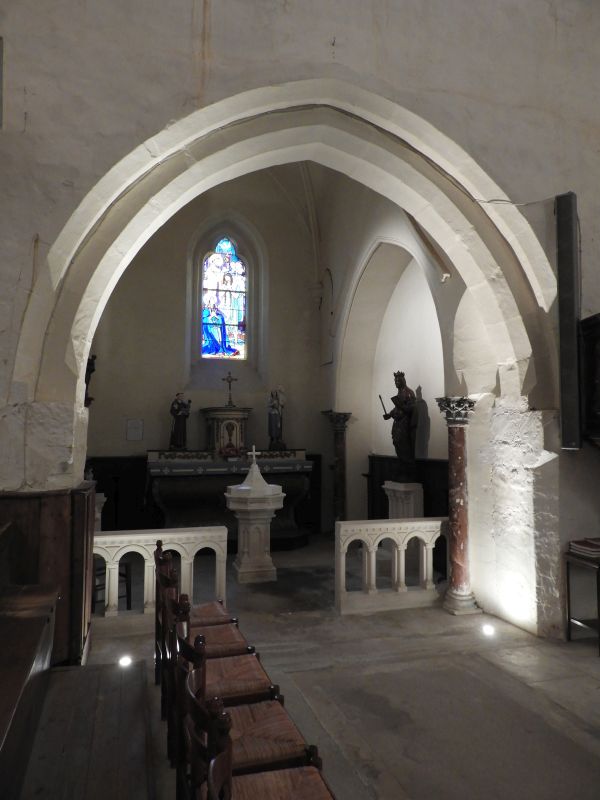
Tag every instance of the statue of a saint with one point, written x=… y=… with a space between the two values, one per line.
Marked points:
x=180 y=411
x=276 y=405
x=90 y=368
x=405 y=419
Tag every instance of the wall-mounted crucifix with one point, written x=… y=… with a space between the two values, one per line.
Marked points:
x=229 y=380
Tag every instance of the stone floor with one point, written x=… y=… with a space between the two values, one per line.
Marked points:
x=407 y=704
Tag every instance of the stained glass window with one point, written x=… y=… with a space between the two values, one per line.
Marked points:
x=224 y=288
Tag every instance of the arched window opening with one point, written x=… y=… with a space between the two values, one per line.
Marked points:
x=204 y=576
x=414 y=561
x=355 y=566
x=224 y=303
x=385 y=556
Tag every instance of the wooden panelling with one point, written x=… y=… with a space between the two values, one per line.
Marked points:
x=53 y=539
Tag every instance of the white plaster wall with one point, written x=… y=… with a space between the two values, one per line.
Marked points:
x=513 y=84
x=410 y=341
x=365 y=244
x=141 y=347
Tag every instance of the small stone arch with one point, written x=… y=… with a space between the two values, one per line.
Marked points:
x=206 y=546
x=351 y=581
x=102 y=552
x=387 y=551
x=141 y=550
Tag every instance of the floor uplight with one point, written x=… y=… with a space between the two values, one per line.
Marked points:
x=125 y=661
x=488 y=630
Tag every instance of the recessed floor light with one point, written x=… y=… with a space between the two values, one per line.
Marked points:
x=488 y=630
x=125 y=661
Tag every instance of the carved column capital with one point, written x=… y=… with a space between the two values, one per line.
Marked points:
x=456 y=409
x=338 y=419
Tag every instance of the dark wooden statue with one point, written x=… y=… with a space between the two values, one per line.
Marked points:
x=404 y=419
x=180 y=411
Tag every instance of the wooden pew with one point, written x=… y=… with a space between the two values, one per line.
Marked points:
x=24 y=663
x=27 y=619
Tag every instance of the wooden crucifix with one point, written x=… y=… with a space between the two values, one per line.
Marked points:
x=229 y=380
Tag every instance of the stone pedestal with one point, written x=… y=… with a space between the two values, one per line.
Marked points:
x=459 y=598
x=404 y=499
x=254 y=502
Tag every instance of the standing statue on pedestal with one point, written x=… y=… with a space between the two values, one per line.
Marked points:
x=405 y=419
x=276 y=405
x=180 y=411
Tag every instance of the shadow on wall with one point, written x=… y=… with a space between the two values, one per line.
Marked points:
x=423 y=425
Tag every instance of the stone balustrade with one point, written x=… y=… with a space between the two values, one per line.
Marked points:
x=394 y=534
x=113 y=545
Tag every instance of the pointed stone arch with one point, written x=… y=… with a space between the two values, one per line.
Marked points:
x=364 y=136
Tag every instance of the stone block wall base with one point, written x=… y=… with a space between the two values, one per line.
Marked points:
x=386 y=600
x=460 y=604
x=254 y=574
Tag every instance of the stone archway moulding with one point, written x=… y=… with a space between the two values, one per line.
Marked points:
x=340 y=126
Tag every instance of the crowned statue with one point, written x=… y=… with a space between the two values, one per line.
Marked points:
x=404 y=416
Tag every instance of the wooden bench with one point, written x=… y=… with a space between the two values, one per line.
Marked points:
x=27 y=620
x=92 y=741
x=24 y=661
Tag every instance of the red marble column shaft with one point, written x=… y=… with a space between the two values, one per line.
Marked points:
x=458 y=516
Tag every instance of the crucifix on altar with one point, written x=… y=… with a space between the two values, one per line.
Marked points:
x=226 y=425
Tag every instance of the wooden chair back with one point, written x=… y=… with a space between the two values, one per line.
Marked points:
x=219 y=775
x=206 y=746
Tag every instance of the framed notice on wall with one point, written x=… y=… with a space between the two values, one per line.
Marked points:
x=134 y=430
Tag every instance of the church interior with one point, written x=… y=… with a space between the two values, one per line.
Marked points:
x=347 y=249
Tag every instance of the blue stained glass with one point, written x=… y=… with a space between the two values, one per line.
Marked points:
x=225 y=246
x=223 y=303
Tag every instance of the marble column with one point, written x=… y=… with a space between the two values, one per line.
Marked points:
x=339 y=421
x=459 y=598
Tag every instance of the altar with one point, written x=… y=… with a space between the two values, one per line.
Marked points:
x=189 y=488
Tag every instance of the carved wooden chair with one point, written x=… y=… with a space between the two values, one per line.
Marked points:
x=235 y=679
x=297 y=783
x=264 y=736
x=221 y=640
x=179 y=656
x=167 y=585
